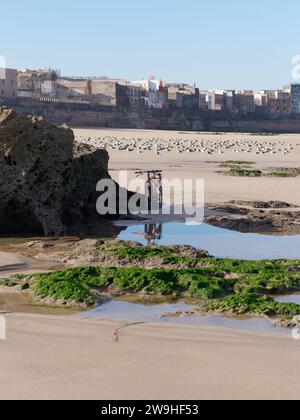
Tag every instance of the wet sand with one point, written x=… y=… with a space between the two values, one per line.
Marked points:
x=69 y=358
x=11 y=261
x=16 y=263
x=219 y=188
x=13 y=300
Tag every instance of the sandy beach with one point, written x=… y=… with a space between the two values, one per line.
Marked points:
x=219 y=188
x=56 y=358
x=60 y=357
x=11 y=261
x=14 y=262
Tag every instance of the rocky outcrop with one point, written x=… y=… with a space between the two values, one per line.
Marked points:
x=255 y=217
x=47 y=180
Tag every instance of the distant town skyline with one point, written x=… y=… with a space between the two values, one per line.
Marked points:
x=214 y=44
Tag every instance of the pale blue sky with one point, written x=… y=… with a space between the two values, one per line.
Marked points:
x=213 y=43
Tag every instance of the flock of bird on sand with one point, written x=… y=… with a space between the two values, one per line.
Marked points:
x=209 y=146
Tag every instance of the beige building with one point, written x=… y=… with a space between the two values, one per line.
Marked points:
x=102 y=91
x=71 y=88
x=109 y=92
x=8 y=83
x=37 y=83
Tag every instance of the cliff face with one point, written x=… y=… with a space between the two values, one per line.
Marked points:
x=82 y=115
x=47 y=180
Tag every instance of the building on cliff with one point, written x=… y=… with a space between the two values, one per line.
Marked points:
x=8 y=83
x=231 y=101
x=155 y=92
x=101 y=91
x=182 y=96
x=243 y=102
x=158 y=99
x=109 y=92
x=37 y=83
x=150 y=84
x=137 y=96
x=295 y=98
x=278 y=102
x=48 y=86
x=228 y=101
x=71 y=88
x=202 y=101
x=215 y=100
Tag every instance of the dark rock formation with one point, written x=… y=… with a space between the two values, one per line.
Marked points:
x=264 y=204
x=258 y=217
x=47 y=180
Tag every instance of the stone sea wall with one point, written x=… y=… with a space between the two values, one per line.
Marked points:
x=84 y=115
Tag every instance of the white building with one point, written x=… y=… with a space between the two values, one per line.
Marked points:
x=154 y=97
x=215 y=100
x=150 y=85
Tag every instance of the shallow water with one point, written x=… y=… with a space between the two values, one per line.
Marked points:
x=221 y=243
x=127 y=311
x=121 y=310
x=294 y=298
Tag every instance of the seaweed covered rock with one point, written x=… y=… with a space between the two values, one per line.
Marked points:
x=47 y=180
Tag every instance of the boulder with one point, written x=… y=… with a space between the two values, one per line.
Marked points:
x=47 y=180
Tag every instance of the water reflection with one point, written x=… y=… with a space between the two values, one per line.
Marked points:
x=221 y=243
x=128 y=311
